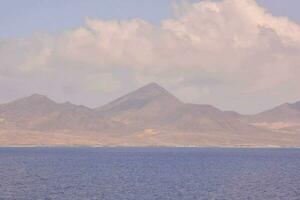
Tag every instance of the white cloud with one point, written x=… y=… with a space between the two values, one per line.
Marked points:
x=235 y=42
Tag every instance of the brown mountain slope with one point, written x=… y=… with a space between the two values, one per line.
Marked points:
x=147 y=106
x=153 y=107
x=147 y=116
x=284 y=118
x=37 y=112
x=285 y=113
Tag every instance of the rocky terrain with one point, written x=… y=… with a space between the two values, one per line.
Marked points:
x=149 y=116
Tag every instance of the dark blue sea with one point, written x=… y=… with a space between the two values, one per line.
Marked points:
x=149 y=173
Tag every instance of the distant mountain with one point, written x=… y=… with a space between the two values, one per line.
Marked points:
x=284 y=118
x=283 y=113
x=38 y=112
x=150 y=105
x=153 y=107
x=148 y=116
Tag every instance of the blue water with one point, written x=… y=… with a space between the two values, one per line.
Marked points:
x=141 y=173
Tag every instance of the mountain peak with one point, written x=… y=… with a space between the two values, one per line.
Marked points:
x=34 y=99
x=141 y=97
x=153 y=85
x=282 y=113
x=296 y=105
x=38 y=96
x=148 y=93
x=151 y=89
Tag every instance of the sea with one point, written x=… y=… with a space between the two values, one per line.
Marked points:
x=149 y=174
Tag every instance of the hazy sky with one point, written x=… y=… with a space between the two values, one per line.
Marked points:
x=235 y=54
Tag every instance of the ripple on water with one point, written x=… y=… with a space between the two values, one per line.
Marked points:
x=146 y=174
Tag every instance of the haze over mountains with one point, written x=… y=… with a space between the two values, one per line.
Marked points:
x=149 y=116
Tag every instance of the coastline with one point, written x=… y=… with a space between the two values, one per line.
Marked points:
x=151 y=147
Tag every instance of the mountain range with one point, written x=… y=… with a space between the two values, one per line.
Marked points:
x=148 y=116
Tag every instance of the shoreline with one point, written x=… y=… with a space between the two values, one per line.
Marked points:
x=151 y=147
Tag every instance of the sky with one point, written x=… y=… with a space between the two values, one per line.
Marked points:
x=241 y=55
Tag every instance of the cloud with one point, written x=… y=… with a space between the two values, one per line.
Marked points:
x=237 y=45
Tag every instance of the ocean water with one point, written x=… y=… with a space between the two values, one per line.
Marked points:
x=148 y=174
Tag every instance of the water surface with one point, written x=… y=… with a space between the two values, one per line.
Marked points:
x=147 y=174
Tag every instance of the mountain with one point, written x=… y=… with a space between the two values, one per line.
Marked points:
x=148 y=116
x=38 y=112
x=285 y=117
x=284 y=113
x=150 y=105
x=154 y=107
